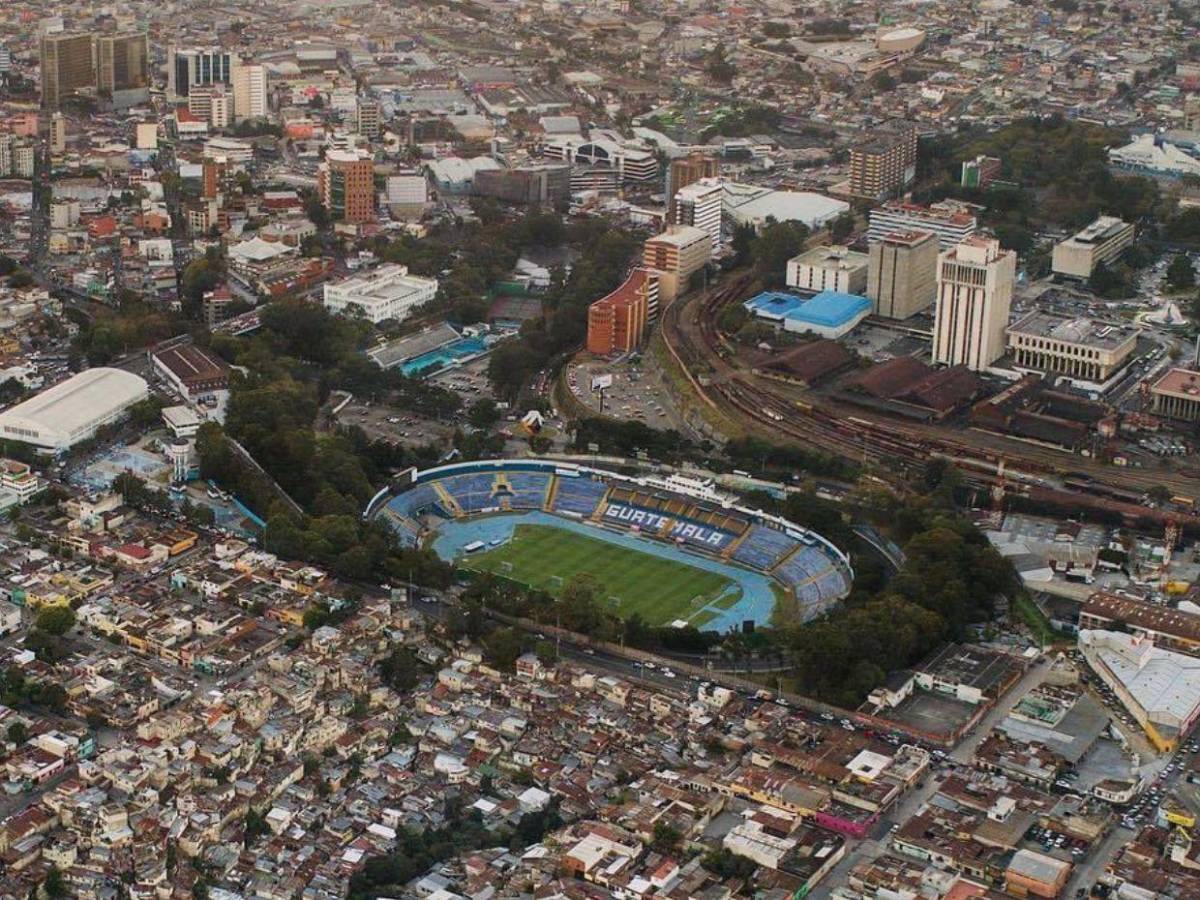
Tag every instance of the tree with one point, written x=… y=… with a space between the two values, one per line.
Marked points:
x=841 y=227
x=1108 y=282
x=255 y=827
x=55 y=620
x=202 y=275
x=545 y=653
x=53 y=884
x=777 y=242
x=400 y=669
x=483 y=414
x=316 y=212
x=883 y=82
x=666 y=838
x=52 y=696
x=18 y=733
x=718 y=67
x=579 y=605
x=1014 y=237
x=1181 y=273
x=502 y=647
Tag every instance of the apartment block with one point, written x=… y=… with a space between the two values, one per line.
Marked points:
x=885 y=164
x=617 y=322
x=676 y=255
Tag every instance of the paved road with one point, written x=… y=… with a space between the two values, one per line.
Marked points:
x=1086 y=874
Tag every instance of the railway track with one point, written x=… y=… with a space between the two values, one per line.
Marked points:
x=766 y=408
x=888 y=446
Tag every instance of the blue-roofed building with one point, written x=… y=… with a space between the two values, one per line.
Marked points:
x=773 y=306
x=829 y=314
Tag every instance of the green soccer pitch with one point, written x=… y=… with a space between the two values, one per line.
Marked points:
x=659 y=590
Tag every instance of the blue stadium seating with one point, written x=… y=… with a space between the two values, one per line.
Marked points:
x=578 y=495
x=802 y=565
x=407 y=531
x=808 y=594
x=763 y=547
x=832 y=584
x=412 y=502
x=472 y=492
x=528 y=489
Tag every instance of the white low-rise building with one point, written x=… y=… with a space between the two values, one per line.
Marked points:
x=829 y=269
x=1160 y=688
x=10 y=618
x=388 y=292
x=73 y=410
x=19 y=479
x=1101 y=242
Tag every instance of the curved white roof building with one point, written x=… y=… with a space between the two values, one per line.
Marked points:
x=72 y=410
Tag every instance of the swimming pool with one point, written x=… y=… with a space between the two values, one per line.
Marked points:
x=436 y=360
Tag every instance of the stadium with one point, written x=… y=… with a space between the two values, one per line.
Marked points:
x=672 y=549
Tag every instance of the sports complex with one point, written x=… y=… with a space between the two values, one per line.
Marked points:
x=672 y=549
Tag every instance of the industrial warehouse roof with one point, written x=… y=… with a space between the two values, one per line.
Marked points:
x=1162 y=682
x=751 y=203
x=75 y=403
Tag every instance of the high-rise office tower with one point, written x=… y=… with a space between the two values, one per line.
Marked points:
x=68 y=65
x=249 y=91
x=688 y=170
x=58 y=133
x=191 y=67
x=123 y=68
x=123 y=64
x=902 y=273
x=346 y=185
x=676 y=255
x=952 y=222
x=368 y=118
x=974 y=283
x=700 y=205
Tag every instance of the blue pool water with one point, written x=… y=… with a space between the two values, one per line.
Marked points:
x=444 y=356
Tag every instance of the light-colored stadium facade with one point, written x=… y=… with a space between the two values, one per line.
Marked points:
x=689 y=514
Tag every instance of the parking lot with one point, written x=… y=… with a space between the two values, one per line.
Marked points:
x=383 y=422
x=470 y=382
x=879 y=343
x=636 y=392
x=393 y=423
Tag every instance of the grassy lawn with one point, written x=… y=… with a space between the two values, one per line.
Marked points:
x=659 y=590
x=1027 y=611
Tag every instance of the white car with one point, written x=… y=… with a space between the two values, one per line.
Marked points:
x=667 y=673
